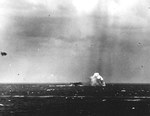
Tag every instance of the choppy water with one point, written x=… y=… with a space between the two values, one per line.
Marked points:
x=70 y=100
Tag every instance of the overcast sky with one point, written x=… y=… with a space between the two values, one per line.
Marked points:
x=69 y=40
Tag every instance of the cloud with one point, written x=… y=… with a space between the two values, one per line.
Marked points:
x=57 y=37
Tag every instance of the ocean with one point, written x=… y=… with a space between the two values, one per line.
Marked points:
x=74 y=100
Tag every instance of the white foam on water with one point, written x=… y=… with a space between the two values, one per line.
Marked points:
x=1 y=104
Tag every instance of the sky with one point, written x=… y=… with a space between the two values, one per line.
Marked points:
x=52 y=41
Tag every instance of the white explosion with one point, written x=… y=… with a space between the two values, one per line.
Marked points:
x=97 y=80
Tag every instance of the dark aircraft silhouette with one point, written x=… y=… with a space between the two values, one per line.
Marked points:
x=3 y=53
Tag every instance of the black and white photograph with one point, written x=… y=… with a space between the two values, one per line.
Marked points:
x=74 y=58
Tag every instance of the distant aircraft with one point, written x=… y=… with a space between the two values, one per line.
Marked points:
x=3 y=53
x=97 y=80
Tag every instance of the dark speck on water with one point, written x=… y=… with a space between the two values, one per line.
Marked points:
x=74 y=100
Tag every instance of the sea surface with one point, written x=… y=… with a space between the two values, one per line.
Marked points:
x=74 y=100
